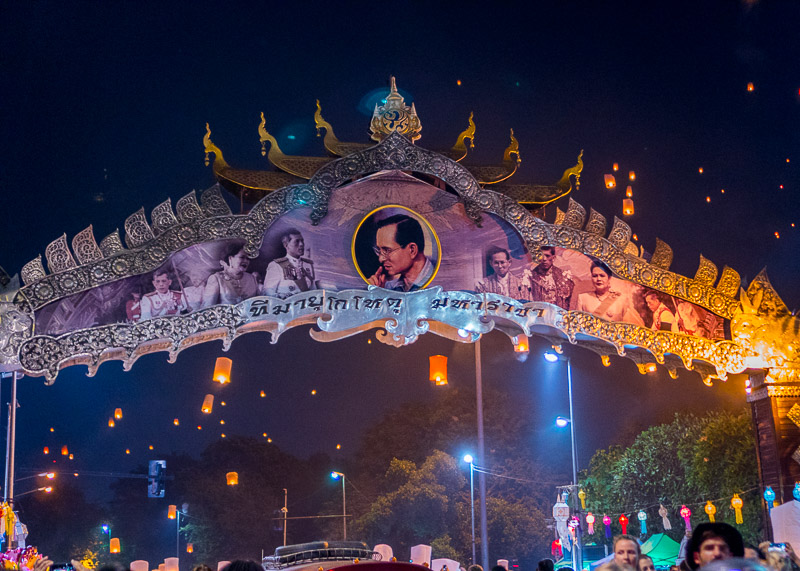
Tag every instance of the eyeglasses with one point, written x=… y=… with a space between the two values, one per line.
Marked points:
x=384 y=251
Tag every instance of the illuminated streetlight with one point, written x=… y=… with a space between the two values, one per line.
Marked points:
x=562 y=421
x=470 y=460
x=336 y=476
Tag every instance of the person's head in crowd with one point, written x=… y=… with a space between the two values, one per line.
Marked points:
x=674 y=568
x=201 y=567
x=545 y=565
x=243 y=565
x=615 y=566
x=474 y=567
x=646 y=563
x=754 y=553
x=713 y=542
x=735 y=564
x=626 y=550
x=499 y=568
x=500 y=260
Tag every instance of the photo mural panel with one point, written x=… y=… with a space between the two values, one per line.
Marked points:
x=389 y=229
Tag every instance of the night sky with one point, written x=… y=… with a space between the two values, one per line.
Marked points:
x=103 y=111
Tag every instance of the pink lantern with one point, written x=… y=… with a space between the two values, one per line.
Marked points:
x=686 y=513
x=590 y=522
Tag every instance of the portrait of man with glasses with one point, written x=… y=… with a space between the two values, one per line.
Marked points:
x=400 y=247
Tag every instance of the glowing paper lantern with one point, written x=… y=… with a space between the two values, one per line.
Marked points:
x=686 y=513
x=222 y=370
x=64 y=450
x=176 y=422
x=710 y=510
x=118 y=413
x=139 y=565
x=736 y=504
x=629 y=191
x=632 y=175
x=232 y=478
x=627 y=206
x=750 y=86
x=172 y=512
x=171 y=564
x=438 y=369
x=111 y=423
x=611 y=182
x=607 y=523
x=615 y=167
x=114 y=545
x=662 y=511
x=769 y=496
x=642 y=515
x=208 y=404
x=590 y=522
x=623 y=522
x=521 y=344
x=189 y=548
x=46 y=450
x=582 y=498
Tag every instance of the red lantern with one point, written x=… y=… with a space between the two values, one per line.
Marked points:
x=623 y=521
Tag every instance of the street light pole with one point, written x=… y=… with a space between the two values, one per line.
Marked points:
x=285 y=511
x=336 y=476
x=481 y=455
x=471 y=460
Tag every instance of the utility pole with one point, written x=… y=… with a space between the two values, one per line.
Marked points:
x=285 y=511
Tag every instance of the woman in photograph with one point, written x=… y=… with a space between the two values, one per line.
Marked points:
x=232 y=284
x=606 y=302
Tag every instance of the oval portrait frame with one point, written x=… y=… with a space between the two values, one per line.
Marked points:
x=427 y=228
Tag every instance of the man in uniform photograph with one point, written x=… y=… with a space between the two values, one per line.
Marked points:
x=163 y=301
x=293 y=273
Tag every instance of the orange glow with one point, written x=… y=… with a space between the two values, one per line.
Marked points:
x=176 y=422
x=71 y=456
x=632 y=175
x=521 y=344
x=438 y=369
x=127 y=451
x=269 y=440
x=53 y=429
x=610 y=181
x=114 y=545
x=606 y=360
x=172 y=512
x=629 y=192
x=151 y=447
x=338 y=447
x=777 y=235
x=651 y=367
x=722 y=191
x=111 y=423
x=208 y=404
x=780 y=186
x=615 y=167
x=700 y=170
x=222 y=370
x=222 y=435
x=189 y=548
x=708 y=199
x=635 y=237
x=232 y=478
x=264 y=434
x=222 y=402
x=199 y=427
x=627 y=206
x=64 y=450
x=118 y=413
x=751 y=87
x=314 y=391
x=263 y=394
x=458 y=82
x=221 y=421
x=46 y=450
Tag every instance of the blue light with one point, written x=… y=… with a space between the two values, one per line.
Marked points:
x=468 y=458
x=335 y=475
x=551 y=356
x=105 y=529
x=562 y=421
x=291 y=137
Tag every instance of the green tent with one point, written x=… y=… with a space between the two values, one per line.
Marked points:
x=662 y=549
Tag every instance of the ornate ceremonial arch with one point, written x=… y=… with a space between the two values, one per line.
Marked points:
x=305 y=252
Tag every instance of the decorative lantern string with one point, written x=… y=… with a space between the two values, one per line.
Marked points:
x=662 y=511
x=710 y=510
x=642 y=515
x=686 y=514
x=607 y=522
x=623 y=522
x=590 y=522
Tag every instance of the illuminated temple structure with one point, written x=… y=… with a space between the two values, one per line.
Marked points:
x=302 y=251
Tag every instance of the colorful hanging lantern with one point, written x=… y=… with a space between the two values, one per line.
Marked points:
x=627 y=206
x=686 y=513
x=172 y=512
x=208 y=404
x=710 y=510
x=796 y=491
x=769 y=497
x=113 y=545
x=438 y=369
x=582 y=497
x=623 y=522
x=232 y=478
x=642 y=521
x=590 y=522
x=736 y=504
x=607 y=523
x=222 y=370
x=610 y=181
x=118 y=413
x=561 y=515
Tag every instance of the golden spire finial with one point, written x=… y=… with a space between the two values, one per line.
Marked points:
x=460 y=148
x=212 y=148
x=512 y=149
x=395 y=115
x=264 y=136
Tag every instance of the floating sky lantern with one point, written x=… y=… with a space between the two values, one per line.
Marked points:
x=708 y=199
x=113 y=545
x=736 y=504
x=262 y=394
x=150 y=447
x=127 y=451
x=208 y=404
x=176 y=422
x=64 y=450
x=172 y=512
x=232 y=478
x=615 y=167
x=71 y=456
x=338 y=447
x=610 y=181
x=710 y=510
x=189 y=548
x=118 y=413
x=627 y=206
x=700 y=170
x=313 y=392
x=750 y=86
x=632 y=175
x=222 y=370
x=111 y=423
x=629 y=191
x=438 y=369
x=46 y=450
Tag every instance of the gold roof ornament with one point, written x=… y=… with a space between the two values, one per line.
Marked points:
x=333 y=144
x=304 y=167
x=498 y=173
x=459 y=150
x=395 y=116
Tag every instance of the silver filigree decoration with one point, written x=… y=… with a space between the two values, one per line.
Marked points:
x=188 y=209
x=596 y=223
x=59 y=258
x=576 y=215
x=33 y=271
x=620 y=233
x=162 y=217
x=111 y=244
x=137 y=230
x=213 y=204
x=16 y=322
x=85 y=247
